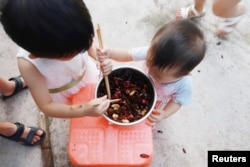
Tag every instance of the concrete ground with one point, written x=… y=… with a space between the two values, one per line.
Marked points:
x=217 y=119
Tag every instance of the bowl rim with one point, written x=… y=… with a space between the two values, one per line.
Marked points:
x=153 y=104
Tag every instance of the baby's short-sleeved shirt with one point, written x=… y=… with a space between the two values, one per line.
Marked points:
x=180 y=91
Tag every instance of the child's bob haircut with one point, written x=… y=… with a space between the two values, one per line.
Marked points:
x=48 y=28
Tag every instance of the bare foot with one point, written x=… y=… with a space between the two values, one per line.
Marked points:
x=8 y=129
x=188 y=13
x=13 y=86
x=10 y=90
x=229 y=24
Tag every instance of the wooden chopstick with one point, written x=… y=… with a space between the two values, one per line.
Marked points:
x=99 y=35
x=101 y=46
x=77 y=106
x=114 y=100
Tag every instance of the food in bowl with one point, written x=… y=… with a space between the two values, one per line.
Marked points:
x=135 y=93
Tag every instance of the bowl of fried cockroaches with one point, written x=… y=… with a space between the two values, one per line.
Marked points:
x=133 y=95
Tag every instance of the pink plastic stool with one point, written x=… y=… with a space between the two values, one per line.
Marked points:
x=94 y=142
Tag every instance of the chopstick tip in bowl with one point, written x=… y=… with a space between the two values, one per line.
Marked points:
x=114 y=100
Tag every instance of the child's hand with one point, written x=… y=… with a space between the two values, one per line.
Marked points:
x=156 y=116
x=106 y=67
x=105 y=63
x=102 y=54
x=97 y=107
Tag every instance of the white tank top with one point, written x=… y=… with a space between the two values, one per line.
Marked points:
x=58 y=73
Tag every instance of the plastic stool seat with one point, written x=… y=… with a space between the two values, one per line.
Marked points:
x=93 y=141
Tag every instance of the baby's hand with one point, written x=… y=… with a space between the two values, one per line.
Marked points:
x=102 y=54
x=156 y=116
x=106 y=67
x=98 y=106
x=105 y=64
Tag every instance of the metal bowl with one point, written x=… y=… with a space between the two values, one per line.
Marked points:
x=137 y=94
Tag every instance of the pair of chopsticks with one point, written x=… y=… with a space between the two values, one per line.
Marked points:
x=97 y=103
x=101 y=46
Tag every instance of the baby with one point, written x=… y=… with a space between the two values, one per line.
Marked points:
x=175 y=50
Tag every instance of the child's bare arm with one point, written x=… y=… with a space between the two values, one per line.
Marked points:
x=41 y=96
x=92 y=51
x=158 y=115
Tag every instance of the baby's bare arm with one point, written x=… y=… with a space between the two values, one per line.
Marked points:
x=158 y=115
x=117 y=54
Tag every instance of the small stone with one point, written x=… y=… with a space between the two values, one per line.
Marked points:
x=144 y=156
x=159 y=131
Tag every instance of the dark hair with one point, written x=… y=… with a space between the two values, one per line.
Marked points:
x=179 y=43
x=48 y=28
